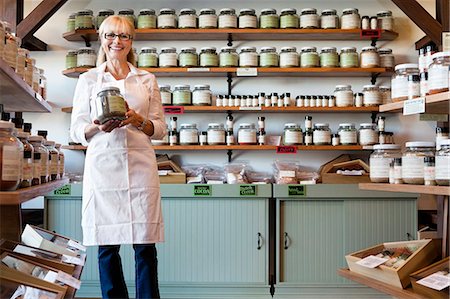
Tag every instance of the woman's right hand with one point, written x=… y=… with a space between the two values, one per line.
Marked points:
x=107 y=126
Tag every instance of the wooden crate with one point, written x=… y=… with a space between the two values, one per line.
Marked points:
x=173 y=178
x=423 y=256
x=422 y=273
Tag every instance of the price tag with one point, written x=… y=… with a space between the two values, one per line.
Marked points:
x=371 y=261
x=286 y=149
x=369 y=33
x=68 y=280
x=72 y=260
x=435 y=281
x=250 y=108
x=198 y=69
x=247 y=190
x=296 y=190
x=173 y=109
x=414 y=106
x=51 y=276
x=64 y=190
x=247 y=72
x=202 y=190
x=76 y=245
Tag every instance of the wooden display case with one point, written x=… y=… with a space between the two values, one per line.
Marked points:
x=442 y=265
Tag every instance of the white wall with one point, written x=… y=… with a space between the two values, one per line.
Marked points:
x=61 y=88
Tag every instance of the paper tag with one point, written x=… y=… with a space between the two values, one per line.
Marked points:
x=445 y=41
x=287 y=173
x=435 y=281
x=51 y=276
x=198 y=69
x=72 y=260
x=414 y=106
x=372 y=261
x=247 y=72
x=76 y=245
x=250 y=108
x=370 y=33
x=163 y=172
x=68 y=280
x=286 y=149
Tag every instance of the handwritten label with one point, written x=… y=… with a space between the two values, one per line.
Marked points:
x=68 y=280
x=414 y=106
x=247 y=190
x=247 y=72
x=435 y=281
x=202 y=190
x=286 y=149
x=250 y=108
x=369 y=33
x=296 y=190
x=64 y=190
x=173 y=109
x=445 y=41
x=76 y=245
x=198 y=69
x=371 y=261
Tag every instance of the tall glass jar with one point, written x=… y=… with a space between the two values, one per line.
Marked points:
x=413 y=161
x=70 y=26
x=369 y=57
x=268 y=57
x=148 y=57
x=443 y=164
x=188 y=134
x=11 y=150
x=22 y=55
x=228 y=57
x=289 y=57
x=289 y=19
x=187 y=18
x=129 y=14
x=292 y=134
x=385 y=92
x=368 y=134
x=102 y=15
x=27 y=161
x=53 y=159
x=86 y=57
x=438 y=78
x=321 y=134
x=181 y=95
x=166 y=95
x=42 y=84
x=329 y=19
x=348 y=134
x=269 y=19
x=309 y=57
x=247 y=18
x=385 y=20
x=372 y=96
x=71 y=59
x=207 y=18
x=84 y=19
x=10 y=49
x=380 y=161
x=309 y=19
x=227 y=18
x=329 y=57
x=167 y=19
x=349 y=57
x=188 y=57
x=246 y=134
x=36 y=76
x=208 y=57
x=399 y=82
x=215 y=134
x=146 y=19
x=168 y=57
x=61 y=163
x=248 y=57
x=350 y=19
x=387 y=59
x=201 y=96
x=343 y=95
x=40 y=160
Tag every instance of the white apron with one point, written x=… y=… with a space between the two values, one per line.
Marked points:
x=121 y=195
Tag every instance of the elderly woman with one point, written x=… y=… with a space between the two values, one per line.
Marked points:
x=121 y=193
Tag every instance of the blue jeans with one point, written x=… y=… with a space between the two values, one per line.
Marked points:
x=111 y=275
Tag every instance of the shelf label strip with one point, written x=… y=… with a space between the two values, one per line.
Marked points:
x=247 y=72
x=173 y=109
x=414 y=106
x=369 y=33
x=286 y=149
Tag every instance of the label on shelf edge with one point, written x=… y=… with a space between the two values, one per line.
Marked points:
x=173 y=109
x=370 y=33
x=247 y=72
x=286 y=149
x=250 y=108
x=372 y=261
x=414 y=106
x=198 y=69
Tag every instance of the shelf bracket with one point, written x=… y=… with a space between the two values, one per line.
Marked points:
x=229 y=81
x=374 y=77
x=230 y=40
x=229 y=113
x=373 y=116
x=374 y=42
x=229 y=154
x=86 y=40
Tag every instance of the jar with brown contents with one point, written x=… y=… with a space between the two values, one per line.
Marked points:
x=53 y=159
x=110 y=105
x=438 y=73
x=40 y=161
x=413 y=161
x=11 y=152
x=27 y=161
x=61 y=158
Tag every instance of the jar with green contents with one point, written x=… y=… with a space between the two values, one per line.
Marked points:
x=309 y=19
x=292 y=134
x=167 y=18
x=248 y=57
x=70 y=23
x=309 y=57
x=228 y=57
x=129 y=14
x=268 y=57
x=102 y=15
x=329 y=19
x=166 y=95
x=188 y=57
x=329 y=57
x=227 y=18
x=146 y=19
x=209 y=57
x=148 y=57
x=349 y=57
x=187 y=18
x=207 y=18
x=289 y=18
x=181 y=95
x=269 y=19
x=247 y=18
x=84 y=19
x=71 y=59
x=348 y=135
x=289 y=57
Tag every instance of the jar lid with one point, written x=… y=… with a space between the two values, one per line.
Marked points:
x=148 y=49
x=308 y=10
x=291 y=125
x=72 y=52
x=332 y=11
x=215 y=125
x=445 y=142
x=289 y=10
x=347 y=125
x=188 y=10
x=188 y=125
x=229 y=49
x=86 y=49
x=232 y=10
x=384 y=50
x=167 y=10
x=168 y=49
x=251 y=49
x=328 y=49
x=386 y=147
x=107 y=10
x=49 y=143
x=367 y=125
x=166 y=86
x=385 y=87
x=370 y=86
x=246 y=125
x=147 y=10
x=86 y=11
x=182 y=86
x=6 y=125
x=268 y=49
x=71 y=16
x=440 y=54
x=350 y=10
x=251 y=10
x=344 y=86
x=189 y=49
x=321 y=125
x=35 y=138
x=269 y=10
x=312 y=49
x=208 y=49
x=384 y=13
x=126 y=11
x=209 y=10
x=419 y=144
x=288 y=49
x=348 y=49
x=406 y=66
x=369 y=48
x=201 y=86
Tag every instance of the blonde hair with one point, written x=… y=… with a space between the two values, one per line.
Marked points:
x=122 y=25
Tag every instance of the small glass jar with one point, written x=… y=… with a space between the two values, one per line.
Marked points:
x=329 y=19
x=246 y=134
x=441 y=135
x=413 y=86
x=268 y=57
x=248 y=57
x=365 y=22
x=269 y=19
x=429 y=171
x=385 y=92
x=41 y=165
x=443 y=164
x=12 y=151
x=372 y=96
x=368 y=134
x=61 y=163
x=129 y=14
x=309 y=57
x=84 y=19
x=166 y=95
x=207 y=18
x=289 y=18
x=201 y=96
x=70 y=26
x=188 y=57
x=385 y=20
x=350 y=19
x=102 y=15
x=348 y=134
x=22 y=55
x=308 y=137
x=146 y=19
x=227 y=18
x=167 y=19
x=29 y=66
x=187 y=18
x=42 y=84
x=309 y=19
x=86 y=57
x=188 y=134
x=380 y=161
x=148 y=57
x=329 y=57
x=349 y=57
x=387 y=59
x=292 y=134
x=423 y=84
x=369 y=57
x=321 y=134
x=10 y=49
x=71 y=59
x=36 y=76
x=343 y=95
x=399 y=82
x=215 y=134
x=181 y=95
x=289 y=57
x=228 y=57
x=168 y=57
x=27 y=161
x=247 y=18
x=413 y=161
x=438 y=78
x=208 y=57
x=53 y=160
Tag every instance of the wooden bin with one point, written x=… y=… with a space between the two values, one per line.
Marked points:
x=422 y=273
x=399 y=277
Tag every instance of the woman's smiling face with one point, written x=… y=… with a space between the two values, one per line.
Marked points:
x=116 y=39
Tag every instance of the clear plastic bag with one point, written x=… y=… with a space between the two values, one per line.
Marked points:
x=194 y=174
x=285 y=172
x=214 y=175
x=254 y=177
x=235 y=173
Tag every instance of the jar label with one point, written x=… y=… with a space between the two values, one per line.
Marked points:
x=349 y=60
x=188 y=136
x=248 y=59
x=168 y=59
x=343 y=98
x=268 y=21
x=54 y=163
x=147 y=60
x=309 y=59
x=166 y=98
x=368 y=137
x=329 y=60
x=228 y=59
x=227 y=21
x=387 y=61
x=247 y=22
x=37 y=168
x=413 y=89
x=181 y=97
x=246 y=136
x=27 y=169
x=201 y=97
x=443 y=167
x=45 y=164
x=328 y=22
x=146 y=21
x=289 y=59
x=292 y=137
x=166 y=21
x=348 y=137
x=187 y=21
x=268 y=59
x=379 y=167
x=116 y=104
x=86 y=59
x=370 y=59
x=399 y=87
x=412 y=167
x=321 y=137
x=188 y=60
x=351 y=21
x=309 y=21
x=205 y=21
x=10 y=160
x=438 y=77
x=216 y=137
x=289 y=21
x=372 y=98
x=208 y=59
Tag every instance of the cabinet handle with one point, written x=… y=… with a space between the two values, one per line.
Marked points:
x=260 y=241
x=286 y=241
x=408 y=236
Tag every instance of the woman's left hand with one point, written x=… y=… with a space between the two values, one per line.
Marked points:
x=132 y=118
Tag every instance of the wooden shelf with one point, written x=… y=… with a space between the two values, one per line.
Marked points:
x=437 y=102
x=380 y=286
x=435 y=190
x=262 y=72
x=237 y=34
x=22 y=195
x=18 y=96
x=239 y=147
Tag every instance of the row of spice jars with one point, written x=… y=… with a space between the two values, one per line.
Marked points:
x=227 y=18
x=371 y=95
x=419 y=164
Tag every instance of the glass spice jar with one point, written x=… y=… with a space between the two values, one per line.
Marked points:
x=329 y=57
x=168 y=57
x=248 y=57
x=41 y=156
x=246 y=134
x=129 y=14
x=53 y=159
x=321 y=134
x=29 y=66
x=148 y=57
x=292 y=134
x=385 y=92
x=368 y=134
x=269 y=19
x=365 y=23
x=187 y=18
x=380 y=161
x=201 y=96
x=146 y=19
x=329 y=19
x=349 y=57
x=438 y=73
x=399 y=82
x=343 y=95
x=309 y=19
x=413 y=86
x=10 y=49
x=71 y=59
x=387 y=59
x=429 y=171
x=167 y=18
x=350 y=19
x=443 y=164
x=215 y=134
x=289 y=57
x=70 y=25
x=11 y=153
x=102 y=15
x=42 y=84
x=372 y=96
x=309 y=57
x=61 y=159
x=188 y=134
x=188 y=57
x=36 y=75
x=22 y=55
x=247 y=18
x=385 y=20
x=228 y=57
x=348 y=134
x=207 y=18
x=413 y=161
x=110 y=105
x=86 y=57
x=268 y=57
x=227 y=18
x=208 y=57
x=289 y=18
x=27 y=160
x=369 y=57
x=181 y=95
x=166 y=95
x=84 y=19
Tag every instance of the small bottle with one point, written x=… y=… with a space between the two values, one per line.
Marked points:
x=280 y=101
x=202 y=138
x=308 y=137
x=324 y=100
x=413 y=86
x=261 y=123
x=173 y=137
x=308 y=123
x=173 y=123
x=381 y=123
x=335 y=140
x=365 y=22
x=373 y=23
x=392 y=172
x=331 y=101
x=307 y=101
x=398 y=171
x=359 y=99
x=229 y=122
x=267 y=100
x=274 y=99
x=230 y=137
x=219 y=100
x=261 y=137
x=261 y=99
x=300 y=101
x=254 y=101
x=429 y=171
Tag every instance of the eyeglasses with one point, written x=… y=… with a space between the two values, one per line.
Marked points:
x=122 y=36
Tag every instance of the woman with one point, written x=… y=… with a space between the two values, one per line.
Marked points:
x=121 y=195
